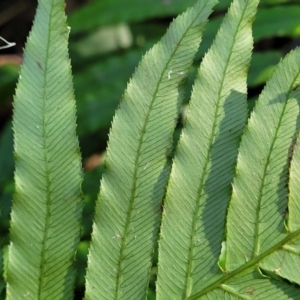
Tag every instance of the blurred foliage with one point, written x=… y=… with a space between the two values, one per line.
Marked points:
x=108 y=38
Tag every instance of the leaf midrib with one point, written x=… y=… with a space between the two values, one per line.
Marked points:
x=251 y=263
x=133 y=190
x=47 y=172
x=201 y=185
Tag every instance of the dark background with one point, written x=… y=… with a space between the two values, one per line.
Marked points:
x=107 y=40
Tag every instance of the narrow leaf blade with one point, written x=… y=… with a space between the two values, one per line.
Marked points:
x=129 y=204
x=259 y=196
x=46 y=214
x=200 y=182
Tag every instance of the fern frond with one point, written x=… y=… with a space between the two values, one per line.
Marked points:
x=128 y=209
x=46 y=214
x=284 y=260
x=259 y=197
x=256 y=239
x=200 y=182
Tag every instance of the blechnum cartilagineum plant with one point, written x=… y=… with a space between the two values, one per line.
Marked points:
x=229 y=226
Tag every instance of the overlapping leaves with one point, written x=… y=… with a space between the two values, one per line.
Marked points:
x=137 y=165
x=230 y=184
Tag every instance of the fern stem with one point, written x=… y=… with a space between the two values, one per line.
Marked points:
x=254 y=262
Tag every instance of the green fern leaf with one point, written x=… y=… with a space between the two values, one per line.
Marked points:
x=256 y=239
x=255 y=223
x=128 y=209
x=283 y=261
x=203 y=168
x=46 y=215
x=259 y=207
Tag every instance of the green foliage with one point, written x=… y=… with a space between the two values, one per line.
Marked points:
x=200 y=183
x=137 y=166
x=211 y=210
x=135 y=10
x=113 y=71
x=46 y=214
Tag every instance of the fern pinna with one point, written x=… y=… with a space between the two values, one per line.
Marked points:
x=230 y=195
